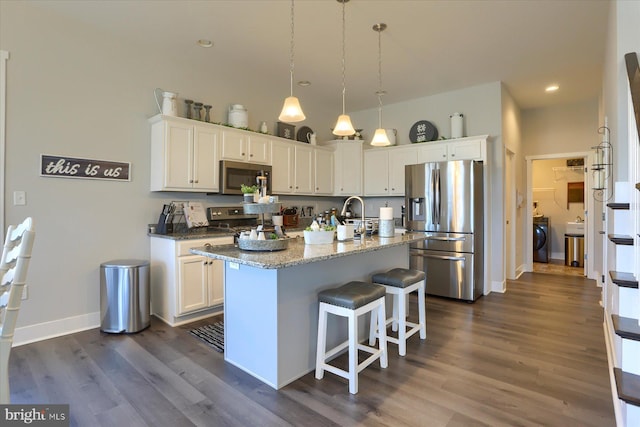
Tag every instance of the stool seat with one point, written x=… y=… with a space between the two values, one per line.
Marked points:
x=352 y=295
x=399 y=277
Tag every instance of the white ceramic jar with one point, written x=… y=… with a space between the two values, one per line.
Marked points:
x=238 y=116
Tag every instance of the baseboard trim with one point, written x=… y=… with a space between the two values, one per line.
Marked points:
x=500 y=287
x=521 y=270
x=55 y=328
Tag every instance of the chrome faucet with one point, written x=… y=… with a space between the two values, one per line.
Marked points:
x=361 y=229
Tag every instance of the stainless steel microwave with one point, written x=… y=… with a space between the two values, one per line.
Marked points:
x=234 y=174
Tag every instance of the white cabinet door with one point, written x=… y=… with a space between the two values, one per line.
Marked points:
x=323 y=171
x=397 y=161
x=348 y=168
x=216 y=282
x=465 y=150
x=193 y=292
x=283 y=158
x=234 y=145
x=304 y=174
x=178 y=146
x=259 y=150
x=432 y=152
x=376 y=172
x=205 y=159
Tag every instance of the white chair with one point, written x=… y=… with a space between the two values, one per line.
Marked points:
x=13 y=273
x=400 y=282
x=351 y=301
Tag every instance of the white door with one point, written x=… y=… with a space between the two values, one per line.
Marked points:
x=205 y=159
x=376 y=173
x=178 y=155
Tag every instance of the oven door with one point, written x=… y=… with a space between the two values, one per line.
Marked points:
x=234 y=174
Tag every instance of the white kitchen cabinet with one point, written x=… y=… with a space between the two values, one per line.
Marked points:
x=292 y=168
x=384 y=170
x=184 y=155
x=323 y=171
x=184 y=286
x=470 y=148
x=283 y=163
x=376 y=172
x=398 y=159
x=347 y=166
x=242 y=146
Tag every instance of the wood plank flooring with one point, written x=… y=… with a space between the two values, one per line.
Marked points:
x=532 y=356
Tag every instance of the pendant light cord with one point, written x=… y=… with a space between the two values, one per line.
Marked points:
x=344 y=90
x=291 y=51
x=380 y=91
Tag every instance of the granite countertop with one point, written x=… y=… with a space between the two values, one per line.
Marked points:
x=204 y=232
x=298 y=253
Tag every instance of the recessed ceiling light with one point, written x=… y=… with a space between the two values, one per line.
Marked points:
x=304 y=83
x=205 y=43
x=552 y=88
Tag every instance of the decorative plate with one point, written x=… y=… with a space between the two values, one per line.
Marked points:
x=304 y=134
x=423 y=131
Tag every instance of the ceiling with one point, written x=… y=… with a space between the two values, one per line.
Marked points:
x=429 y=47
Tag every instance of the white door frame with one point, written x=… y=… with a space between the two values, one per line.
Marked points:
x=510 y=214
x=4 y=56
x=588 y=218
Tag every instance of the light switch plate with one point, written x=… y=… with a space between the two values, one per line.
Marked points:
x=19 y=198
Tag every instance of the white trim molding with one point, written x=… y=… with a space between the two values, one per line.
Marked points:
x=55 y=328
x=4 y=57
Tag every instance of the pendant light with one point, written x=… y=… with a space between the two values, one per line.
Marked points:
x=343 y=126
x=291 y=110
x=380 y=138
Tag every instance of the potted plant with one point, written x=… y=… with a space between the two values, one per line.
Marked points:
x=318 y=235
x=248 y=191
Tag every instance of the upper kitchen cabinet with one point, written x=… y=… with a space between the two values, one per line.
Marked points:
x=469 y=148
x=323 y=167
x=384 y=170
x=243 y=146
x=292 y=168
x=184 y=155
x=347 y=163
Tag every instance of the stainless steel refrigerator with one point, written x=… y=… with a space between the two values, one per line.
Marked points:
x=445 y=200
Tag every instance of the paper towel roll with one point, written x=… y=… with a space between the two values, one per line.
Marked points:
x=386 y=213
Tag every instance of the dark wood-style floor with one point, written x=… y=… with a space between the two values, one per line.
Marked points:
x=532 y=356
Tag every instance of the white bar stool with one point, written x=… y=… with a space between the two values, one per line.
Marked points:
x=400 y=282
x=351 y=301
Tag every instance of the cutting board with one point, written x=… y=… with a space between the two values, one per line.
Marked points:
x=195 y=214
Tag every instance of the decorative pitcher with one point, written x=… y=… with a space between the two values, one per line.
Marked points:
x=169 y=103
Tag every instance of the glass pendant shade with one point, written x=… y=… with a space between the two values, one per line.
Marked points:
x=291 y=111
x=343 y=126
x=380 y=138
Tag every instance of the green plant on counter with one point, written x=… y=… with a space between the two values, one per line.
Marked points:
x=322 y=228
x=248 y=189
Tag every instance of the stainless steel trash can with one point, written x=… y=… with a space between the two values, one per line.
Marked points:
x=124 y=295
x=574 y=250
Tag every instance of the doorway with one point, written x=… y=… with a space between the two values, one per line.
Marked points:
x=557 y=212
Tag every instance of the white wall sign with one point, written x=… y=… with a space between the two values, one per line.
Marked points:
x=71 y=167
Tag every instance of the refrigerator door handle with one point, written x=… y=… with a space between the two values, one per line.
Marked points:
x=444 y=257
x=437 y=198
x=446 y=239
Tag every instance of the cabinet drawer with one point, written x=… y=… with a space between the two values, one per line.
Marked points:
x=184 y=246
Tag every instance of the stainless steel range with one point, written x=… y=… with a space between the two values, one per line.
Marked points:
x=230 y=218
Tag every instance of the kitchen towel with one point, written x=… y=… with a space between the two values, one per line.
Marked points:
x=386 y=213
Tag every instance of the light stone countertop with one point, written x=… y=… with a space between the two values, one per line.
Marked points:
x=298 y=253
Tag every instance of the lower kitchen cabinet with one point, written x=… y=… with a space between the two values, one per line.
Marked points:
x=185 y=287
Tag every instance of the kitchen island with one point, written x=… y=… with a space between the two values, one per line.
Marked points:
x=271 y=304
